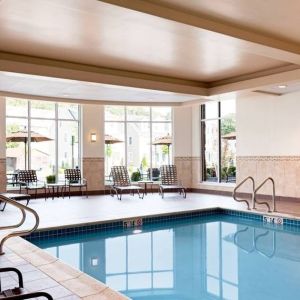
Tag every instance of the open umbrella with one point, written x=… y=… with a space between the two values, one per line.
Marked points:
x=164 y=140
x=229 y=136
x=21 y=136
x=110 y=140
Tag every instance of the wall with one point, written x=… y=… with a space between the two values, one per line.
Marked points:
x=2 y=146
x=268 y=140
x=93 y=152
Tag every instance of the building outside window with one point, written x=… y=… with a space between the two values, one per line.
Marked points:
x=135 y=129
x=218 y=141
x=51 y=139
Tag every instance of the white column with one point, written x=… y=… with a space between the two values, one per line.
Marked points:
x=93 y=152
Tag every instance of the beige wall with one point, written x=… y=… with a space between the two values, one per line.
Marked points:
x=93 y=152
x=2 y=146
x=268 y=140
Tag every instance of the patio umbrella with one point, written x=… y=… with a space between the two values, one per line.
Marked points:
x=164 y=140
x=229 y=136
x=21 y=136
x=110 y=140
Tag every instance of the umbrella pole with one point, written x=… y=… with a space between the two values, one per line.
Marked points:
x=25 y=154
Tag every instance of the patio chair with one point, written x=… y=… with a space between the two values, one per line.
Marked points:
x=121 y=183
x=169 y=180
x=73 y=179
x=18 y=293
x=27 y=180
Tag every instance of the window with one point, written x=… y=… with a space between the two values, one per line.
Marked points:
x=138 y=262
x=131 y=134
x=44 y=136
x=218 y=141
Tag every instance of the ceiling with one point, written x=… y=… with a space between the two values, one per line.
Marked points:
x=160 y=50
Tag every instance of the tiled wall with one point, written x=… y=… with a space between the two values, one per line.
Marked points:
x=93 y=171
x=3 y=175
x=188 y=169
x=285 y=170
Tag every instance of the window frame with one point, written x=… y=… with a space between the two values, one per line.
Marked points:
x=125 y=121
x=203 y=121
x=56 y=119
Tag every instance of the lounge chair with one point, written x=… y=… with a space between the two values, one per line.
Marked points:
x=169 y=180
x=28 y=181
x=18 y=293
x=121 y=183
x=73 y=179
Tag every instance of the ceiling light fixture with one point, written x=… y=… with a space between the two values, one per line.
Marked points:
x=282 y=86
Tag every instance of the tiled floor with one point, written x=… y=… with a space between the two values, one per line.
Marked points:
x=44 y=272
x=82 y=210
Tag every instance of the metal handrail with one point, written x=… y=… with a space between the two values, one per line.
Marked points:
x=273 y=195
x=239 y=185
x=23 y=208
x=236 y=242
x=273 y=243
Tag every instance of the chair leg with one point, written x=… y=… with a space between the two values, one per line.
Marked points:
x=69 y=191
x=3 y=206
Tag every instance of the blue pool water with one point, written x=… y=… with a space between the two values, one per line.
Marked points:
x=211 y=257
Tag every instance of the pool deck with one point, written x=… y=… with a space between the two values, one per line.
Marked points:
x=45 y=272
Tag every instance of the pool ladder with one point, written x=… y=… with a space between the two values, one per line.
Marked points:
x=254 y=194
x=255 y=239
x=23 y=210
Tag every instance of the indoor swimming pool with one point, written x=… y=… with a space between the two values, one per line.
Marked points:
x=215 y=256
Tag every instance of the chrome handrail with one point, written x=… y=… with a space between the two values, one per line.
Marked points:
x=236 y=242
x=273 y=243
x=23 y=208
x=239 y=185
x=273 y=195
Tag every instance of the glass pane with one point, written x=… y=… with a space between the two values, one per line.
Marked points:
x=114 y=113
x=211 y=110
x=16 y=107
x=114 y=151
x=70 y=254
x=138 y=150
x=163 y=256
x=139 y=281
x=161 y=154
x=213 y=286
x=15 y=150
x=117 y=282
x=228 y=149
x=68 y=111
x=138 y=113
x=211 y=150
x=139 y=252
x=68 y=146
x=43 y=147
x=212 y=248
x=163 y=280
x=228 y=108
x=115 y=258
x=42 y=109
x=161 y=113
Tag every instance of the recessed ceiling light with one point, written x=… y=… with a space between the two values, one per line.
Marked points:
x=282 y=86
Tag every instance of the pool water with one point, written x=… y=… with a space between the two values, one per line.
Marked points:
x=212 y=257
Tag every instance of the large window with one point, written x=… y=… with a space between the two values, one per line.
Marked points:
x=139 y=137
x=42 y=135
x=218 y=141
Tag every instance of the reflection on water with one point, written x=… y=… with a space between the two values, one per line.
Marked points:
x=189 y=260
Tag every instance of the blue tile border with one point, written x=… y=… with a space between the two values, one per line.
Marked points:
x=288 y=224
